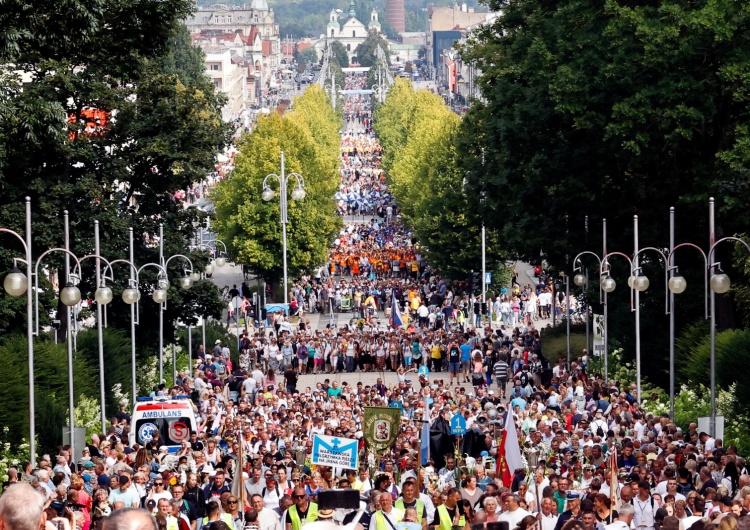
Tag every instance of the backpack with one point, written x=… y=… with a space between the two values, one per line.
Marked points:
x=599 y=431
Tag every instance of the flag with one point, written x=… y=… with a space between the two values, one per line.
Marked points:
x=509 y=453
x=614 y=482
x=395 y=313
x=424 y=448
x=238 y=483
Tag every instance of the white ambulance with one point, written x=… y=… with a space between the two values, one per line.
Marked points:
x=173 y=417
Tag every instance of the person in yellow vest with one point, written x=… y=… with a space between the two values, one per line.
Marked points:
x=387 y=516
x=409 y=499
x=302 y=512
x=450 y=514
x=165 y=510
x=213 y=513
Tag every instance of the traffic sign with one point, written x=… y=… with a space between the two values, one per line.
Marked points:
x=458 y=424
x=179 y=431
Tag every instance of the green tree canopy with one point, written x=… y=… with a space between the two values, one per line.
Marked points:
x=249 y=226
x=158 y=129
x=418 y=133
x=367 y=51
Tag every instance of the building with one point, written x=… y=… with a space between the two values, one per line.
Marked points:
x=395 y=14
x=251 y=35
x=351 y=33
x=228 y=71
x=445 y=26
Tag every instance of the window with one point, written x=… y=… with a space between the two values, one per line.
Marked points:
x=354 y=33
x=215 y=67
x=216 y=20
x=348 y=47
x=331 y=33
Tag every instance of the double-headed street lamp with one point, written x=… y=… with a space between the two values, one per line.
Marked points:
x=160 y=294
x=298 y=194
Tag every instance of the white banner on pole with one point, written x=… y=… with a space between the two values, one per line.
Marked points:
x=335 y=451
x=598 y=335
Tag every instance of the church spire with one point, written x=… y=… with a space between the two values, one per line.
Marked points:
x=352 y=11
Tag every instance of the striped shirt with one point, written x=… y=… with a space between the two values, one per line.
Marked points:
x=500 y=369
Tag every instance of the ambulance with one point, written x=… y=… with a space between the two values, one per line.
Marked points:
x=172 y=416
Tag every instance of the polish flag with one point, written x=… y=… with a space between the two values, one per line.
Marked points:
x=509 y=452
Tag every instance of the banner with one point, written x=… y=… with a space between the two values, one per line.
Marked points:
x=335 y=451
x=598 y=335
x=381 y=427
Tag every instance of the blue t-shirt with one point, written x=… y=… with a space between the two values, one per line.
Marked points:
x=465 y=352
x=520 y=402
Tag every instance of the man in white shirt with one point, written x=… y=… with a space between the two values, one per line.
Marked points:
x=645 y=507
x=267 y=518
x=548 y=516
x=625 y=518
x=512 y=512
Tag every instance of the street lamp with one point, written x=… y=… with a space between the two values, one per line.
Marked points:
x=715 y=282
x=16 y=284
x=160 y=294
x=70 y=295
x=131 y=295
x=606 y=285
x=298 y=194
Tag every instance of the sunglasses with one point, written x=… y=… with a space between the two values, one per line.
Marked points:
x=231 y=502
x=299 y=496
x=158 y=483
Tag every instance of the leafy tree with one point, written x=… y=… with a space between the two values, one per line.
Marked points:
x=418 y=134
x=367 y=51
x=308 y=56
x=159 y=133
x=340 y=54
x=249 y=226
x=606 y=110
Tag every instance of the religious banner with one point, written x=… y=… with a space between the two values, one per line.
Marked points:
x=335 y=451
x=381 y=427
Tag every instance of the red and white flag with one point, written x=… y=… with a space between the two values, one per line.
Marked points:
x=614 y=481
x=509 y=453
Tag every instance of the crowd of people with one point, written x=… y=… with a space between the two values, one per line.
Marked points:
x=593 y=458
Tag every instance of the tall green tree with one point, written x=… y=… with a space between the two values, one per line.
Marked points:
x=158 y=132
x=606 y=109
x=418 y=133
x=251 y=227
x=367 y=51
x=340 y=55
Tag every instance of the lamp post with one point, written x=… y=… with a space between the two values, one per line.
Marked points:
x=16 y=284
x=70 y=295
x=582 y=280
x=298 y=194
x=716 y=282
x=160 y=293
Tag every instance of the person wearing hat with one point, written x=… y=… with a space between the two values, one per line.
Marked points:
x=573 y=511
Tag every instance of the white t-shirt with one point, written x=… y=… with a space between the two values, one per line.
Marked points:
x=514 y=517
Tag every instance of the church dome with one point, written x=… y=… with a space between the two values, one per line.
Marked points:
x=260 y=5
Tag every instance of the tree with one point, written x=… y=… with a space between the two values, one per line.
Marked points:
x=418 y=134
x=340 y=55
x=308 y=56
x=367 y=51
x=249 y=226
x=600 y=109
x=111 y=127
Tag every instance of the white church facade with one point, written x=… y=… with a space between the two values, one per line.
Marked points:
x=351 y=33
